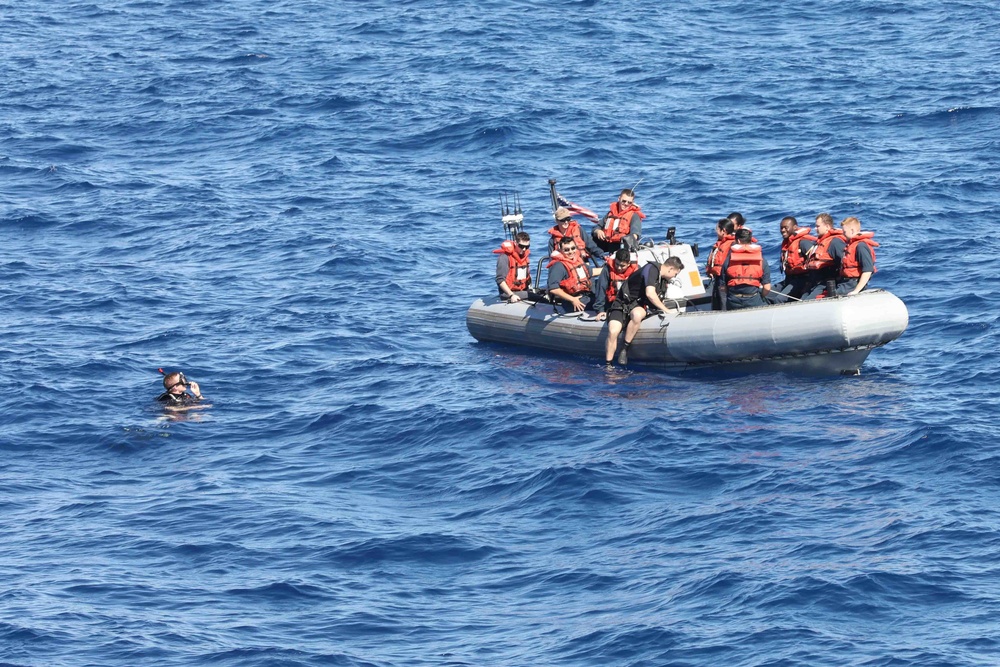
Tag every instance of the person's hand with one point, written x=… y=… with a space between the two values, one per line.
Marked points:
x=600 y=234
x=577 y=304
x=601 y=317
x=514 y=298
x=195 y=389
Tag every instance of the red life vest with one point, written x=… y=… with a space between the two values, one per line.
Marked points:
x=746 y=265
x=578 y=279
x=618 y=222
x=573 y=231
x=792 y=261
x=518 y=273
x=615 y=279
x=821 y=258
x=850 y=268
x=717 y=255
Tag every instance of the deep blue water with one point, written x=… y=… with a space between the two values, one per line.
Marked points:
x=295 y=203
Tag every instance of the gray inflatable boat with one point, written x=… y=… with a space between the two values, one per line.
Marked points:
x=827 y=336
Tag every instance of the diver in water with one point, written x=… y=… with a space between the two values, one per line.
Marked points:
x=180 y=394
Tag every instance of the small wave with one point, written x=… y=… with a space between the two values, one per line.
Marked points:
x=425 y=549
x=951 y=116
x=280 y=591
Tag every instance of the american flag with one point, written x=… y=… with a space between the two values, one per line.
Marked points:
x=576 y=210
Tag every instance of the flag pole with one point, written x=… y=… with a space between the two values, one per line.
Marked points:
x=552 y=194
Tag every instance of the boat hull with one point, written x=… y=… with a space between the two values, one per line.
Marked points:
x=826 y=336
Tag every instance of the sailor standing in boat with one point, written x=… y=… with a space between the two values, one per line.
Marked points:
x=745 y=273
x=724 y=230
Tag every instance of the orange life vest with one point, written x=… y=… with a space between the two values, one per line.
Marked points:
x=518 y=273
x=821 y=258
x=746 y=265
x=792 y=261
x=717 y=255
x=573 y=231
x=615 y=279
x=578 y=279
x=618 y=222
x=850 y=267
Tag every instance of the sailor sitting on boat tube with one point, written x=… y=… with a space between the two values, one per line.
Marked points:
x=631 y=293
x=513 y=272
x=569 y=276
x=622 y=224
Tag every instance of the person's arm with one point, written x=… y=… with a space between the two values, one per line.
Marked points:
x=600 y=292
x=765 y=280
x=503 y=266
x=654 y=298
x=723 y=270
x=595 y=250
x=837 y=248
x=867 y=265
x=635 y=229
x=862 y=282
x=556 y=275
x=566 y=296
x=195 y=390
x=599 y=229
x=651 y=278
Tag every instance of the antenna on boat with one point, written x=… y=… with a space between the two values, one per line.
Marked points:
x=512 y=222
x=637 y=185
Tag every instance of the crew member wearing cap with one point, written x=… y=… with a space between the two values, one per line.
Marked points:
x=180 y=394
x=567 y=226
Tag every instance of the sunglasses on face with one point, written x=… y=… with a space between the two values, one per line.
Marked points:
x=563 y=220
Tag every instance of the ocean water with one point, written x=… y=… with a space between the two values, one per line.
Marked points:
x=295 y=203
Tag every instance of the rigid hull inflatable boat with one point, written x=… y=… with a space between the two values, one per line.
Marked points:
x=829 y=336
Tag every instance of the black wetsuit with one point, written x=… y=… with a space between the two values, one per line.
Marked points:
x=177 y=400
